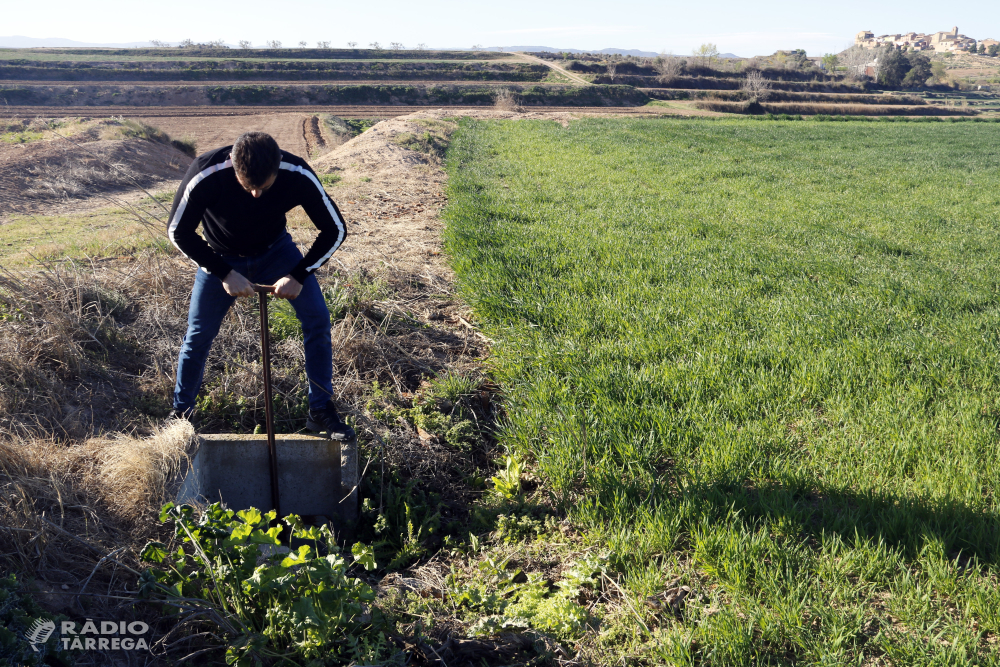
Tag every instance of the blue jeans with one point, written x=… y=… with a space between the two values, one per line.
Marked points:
x=210 y=303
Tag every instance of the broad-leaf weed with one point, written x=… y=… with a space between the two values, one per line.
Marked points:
x=269 y=603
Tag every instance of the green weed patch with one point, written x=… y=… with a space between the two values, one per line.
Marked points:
x=759 y=356
x=269 y=598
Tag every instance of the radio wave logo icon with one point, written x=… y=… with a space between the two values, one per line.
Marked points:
x=39 y=632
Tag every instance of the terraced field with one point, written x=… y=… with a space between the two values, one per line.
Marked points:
x=130 y=79
x=172 y=77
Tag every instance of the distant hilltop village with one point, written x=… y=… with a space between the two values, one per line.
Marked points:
x=935 y=41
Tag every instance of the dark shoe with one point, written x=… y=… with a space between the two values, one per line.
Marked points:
x=182 y=414
x=328 y=420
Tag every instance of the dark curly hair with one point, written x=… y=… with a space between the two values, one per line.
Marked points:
x=256 y=157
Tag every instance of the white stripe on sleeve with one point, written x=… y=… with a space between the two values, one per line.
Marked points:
x=198 y=178
x=341 y=228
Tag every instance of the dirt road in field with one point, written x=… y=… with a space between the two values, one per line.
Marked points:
x=572 y=77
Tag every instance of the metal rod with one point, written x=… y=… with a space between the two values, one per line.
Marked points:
x=265 y=346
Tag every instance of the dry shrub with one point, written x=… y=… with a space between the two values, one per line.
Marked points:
x=74 y=519
x=756 y=86
x=504 y=99
x=135 y=475
x=668 y=67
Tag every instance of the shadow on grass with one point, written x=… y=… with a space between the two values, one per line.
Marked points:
x=903 y=523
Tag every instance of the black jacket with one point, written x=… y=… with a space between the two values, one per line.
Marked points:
x=235 y=223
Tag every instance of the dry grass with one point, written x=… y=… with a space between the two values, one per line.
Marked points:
x=127 y=478
x=504 y=99
x=69 y=366
x=135 y=475
x=73 y=339
x=73 y=518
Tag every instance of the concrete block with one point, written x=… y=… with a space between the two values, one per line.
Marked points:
x=317 y=476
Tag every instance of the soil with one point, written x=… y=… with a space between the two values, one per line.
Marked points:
x=208 y=132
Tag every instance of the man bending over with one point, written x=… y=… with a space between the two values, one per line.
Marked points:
x=240 y=194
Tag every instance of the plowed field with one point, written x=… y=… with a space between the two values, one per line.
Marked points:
x=288 y=129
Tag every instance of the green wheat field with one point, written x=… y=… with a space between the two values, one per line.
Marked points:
x=758 y=358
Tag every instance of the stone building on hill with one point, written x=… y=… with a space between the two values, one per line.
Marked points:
x=941 y=42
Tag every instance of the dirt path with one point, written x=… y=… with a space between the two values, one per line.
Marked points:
x=682 y=108
x=572 y=77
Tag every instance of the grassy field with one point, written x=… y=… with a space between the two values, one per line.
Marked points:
x=757 y=359
x=102 y=233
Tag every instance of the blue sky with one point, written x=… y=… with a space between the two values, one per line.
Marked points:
x=738 y=26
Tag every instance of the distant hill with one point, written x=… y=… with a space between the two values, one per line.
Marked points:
x=19 y=42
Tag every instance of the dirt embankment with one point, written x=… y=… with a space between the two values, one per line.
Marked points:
x=82 y=161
